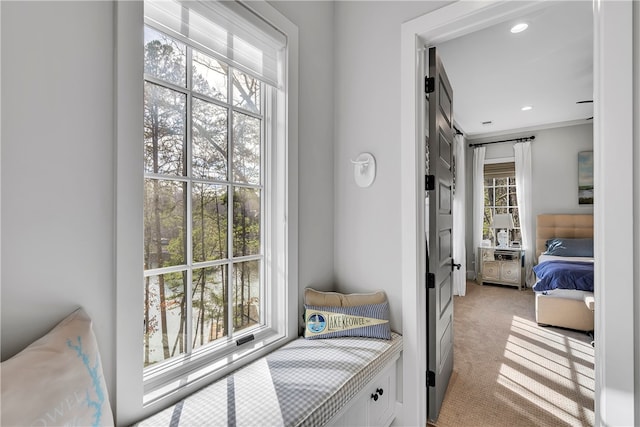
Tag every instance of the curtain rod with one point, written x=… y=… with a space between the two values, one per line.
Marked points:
x=528 y=138
x=458 y=131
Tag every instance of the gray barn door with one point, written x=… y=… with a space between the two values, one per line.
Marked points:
x=440 y=263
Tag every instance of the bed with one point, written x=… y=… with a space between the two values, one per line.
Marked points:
x=564 y=278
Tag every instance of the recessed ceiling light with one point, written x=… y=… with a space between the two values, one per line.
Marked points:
x=527 y=108
x=518 y=28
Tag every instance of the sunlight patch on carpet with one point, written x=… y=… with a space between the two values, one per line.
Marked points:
x=549 y=370
x=511 y=372
x=541 y=395
x=562 y=373
x=549 y=336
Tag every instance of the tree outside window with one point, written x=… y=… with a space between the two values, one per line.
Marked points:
x=500 y=198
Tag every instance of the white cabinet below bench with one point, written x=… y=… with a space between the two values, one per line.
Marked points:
x=374 y=405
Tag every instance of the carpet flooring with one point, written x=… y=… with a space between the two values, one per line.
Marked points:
x=508 y=371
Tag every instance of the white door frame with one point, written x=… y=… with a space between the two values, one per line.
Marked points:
x=613 y=123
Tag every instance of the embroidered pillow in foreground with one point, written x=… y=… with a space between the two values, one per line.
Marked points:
x=57 y=380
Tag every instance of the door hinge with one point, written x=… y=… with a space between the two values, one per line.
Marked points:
x=431 y=280
x=429 y=182
x=431 y=379
x=429 y=84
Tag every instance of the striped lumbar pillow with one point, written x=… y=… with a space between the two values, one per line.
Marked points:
x=371 y=320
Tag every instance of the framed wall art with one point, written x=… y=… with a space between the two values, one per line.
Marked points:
x=585 y=178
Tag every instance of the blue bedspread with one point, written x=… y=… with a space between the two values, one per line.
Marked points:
x=564 y=275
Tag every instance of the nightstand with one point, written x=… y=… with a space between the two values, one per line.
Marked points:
x=502 y=266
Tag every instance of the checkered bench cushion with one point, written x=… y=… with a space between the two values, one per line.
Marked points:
x=304 y=383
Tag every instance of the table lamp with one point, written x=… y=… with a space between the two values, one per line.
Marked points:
x=504 y=222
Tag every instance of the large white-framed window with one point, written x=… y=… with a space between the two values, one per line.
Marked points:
x=210 y=95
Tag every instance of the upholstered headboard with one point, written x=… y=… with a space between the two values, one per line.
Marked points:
x=549 y=226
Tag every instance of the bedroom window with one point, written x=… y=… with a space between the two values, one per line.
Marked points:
x=500 y=198
x=214 y=187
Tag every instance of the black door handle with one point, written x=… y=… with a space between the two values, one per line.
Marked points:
x=454 y=265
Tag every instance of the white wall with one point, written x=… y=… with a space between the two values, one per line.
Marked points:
x=315 y=23
x=57 y=170
x=367 y=105
x=554 y=164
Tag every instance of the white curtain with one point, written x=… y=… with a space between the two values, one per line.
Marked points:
x=478 y=201
x=522 y=152
x=459 y=213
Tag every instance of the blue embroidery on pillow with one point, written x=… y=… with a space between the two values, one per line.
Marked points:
x=95 y=379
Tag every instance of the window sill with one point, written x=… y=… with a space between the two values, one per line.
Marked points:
x=158 y=388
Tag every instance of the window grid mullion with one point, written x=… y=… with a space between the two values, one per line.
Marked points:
x=208 y=99
x=189 y=206
x=225 y=261
x=201 y=180
x=229 y=103
x=230 y=268
x=164 y=270
x=165 y=84
x=160 y=177
x=230 y=189
x=264 y=217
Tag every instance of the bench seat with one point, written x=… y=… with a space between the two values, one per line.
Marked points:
x=303 y=383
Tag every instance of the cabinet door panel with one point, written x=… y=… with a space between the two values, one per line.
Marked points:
x=364 y=410
x=510 y=272
x=380 y=409
x=490 y=270
x=356 y=416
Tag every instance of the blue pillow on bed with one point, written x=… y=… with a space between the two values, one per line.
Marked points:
x=570 y=247
x=370 y=321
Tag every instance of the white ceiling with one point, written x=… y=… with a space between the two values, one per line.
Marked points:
x=549 y=66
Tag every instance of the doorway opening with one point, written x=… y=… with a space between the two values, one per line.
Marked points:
x=444 y=24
